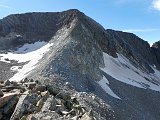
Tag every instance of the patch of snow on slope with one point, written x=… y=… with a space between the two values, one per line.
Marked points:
x=104 y=84
x=30 y=47
x=34 y=53
x=156 y=74
x=121 y=69
x=15 y=68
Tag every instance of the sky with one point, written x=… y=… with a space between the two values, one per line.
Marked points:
x=141 y=17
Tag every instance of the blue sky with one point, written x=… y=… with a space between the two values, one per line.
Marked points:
x=141 y=17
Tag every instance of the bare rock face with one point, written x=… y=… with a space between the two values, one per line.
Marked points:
x=156 y=50
x=134 y=48
x=156 y=44
x=21 y=28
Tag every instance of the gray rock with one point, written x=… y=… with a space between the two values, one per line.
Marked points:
x=60 y=108
x=53 y=89
x=64 y=95
x=13 y=83
x=1 y=93
x=9 y=107
x=9 y=88
x=50 y=104
x=30 y=117
x=75 y=118
x=31 y=108
x=25 y=105
x=24 y=80
x=87 y=117
x=68 y=104
x=1 y=81
x=40 y=103
x=21 y=108
x=45 y=95
x=6 y=82
x=30 y=85
x=6 y=98
x=24 y=118
x=40 y=88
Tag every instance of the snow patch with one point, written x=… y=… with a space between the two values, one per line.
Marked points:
x=30 y=47
x=104 y=84
x=30 y=53
x=15 y=68
x=19 y=36
x=121 y=69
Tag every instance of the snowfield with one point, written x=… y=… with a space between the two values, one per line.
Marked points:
x=121 y=69
x=104 y=84
x=29 y=53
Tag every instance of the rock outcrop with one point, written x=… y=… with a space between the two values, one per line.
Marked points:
x=25 y=103
x=137 y=50
x=156 y=50
x=18 y=29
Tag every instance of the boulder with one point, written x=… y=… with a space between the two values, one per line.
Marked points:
x=60 y=108
x=30 y=117
x=13 y=83
x=86 y=117
x=6 y=83
x=1 y=93
x=24 y=118
x=30 y=85
x=33 y=98
x=21 y=108
x=63 y=95
x=53 y=89
x=9 y=88
x=68 y=104
x=75 y=118
x=49 y=105
x=5 y=99
x=40 y=103
x=45 y=95
x=9 y=107
x=40 y=88
x=25 y=105
x=1 y=81
x=31 y=108
x=24 y=80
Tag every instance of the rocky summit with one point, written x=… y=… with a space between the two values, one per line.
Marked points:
x=66 y=66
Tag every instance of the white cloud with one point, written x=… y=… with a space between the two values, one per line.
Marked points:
x=142 y=30
x=4 y=6
x=156 y=4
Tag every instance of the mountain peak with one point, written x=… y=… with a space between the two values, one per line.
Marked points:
x=156 y=44
x=33 y=26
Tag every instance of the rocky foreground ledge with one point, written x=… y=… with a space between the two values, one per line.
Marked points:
x=30 y=100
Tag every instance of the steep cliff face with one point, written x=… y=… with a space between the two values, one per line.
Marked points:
x=24 y=28
x=134 y=48
x=69 y=47
x=156 y=50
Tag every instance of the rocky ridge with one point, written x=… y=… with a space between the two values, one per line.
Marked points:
x=134 y=48
x=30 y=100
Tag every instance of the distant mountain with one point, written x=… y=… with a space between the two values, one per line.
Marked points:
x=70 y=47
